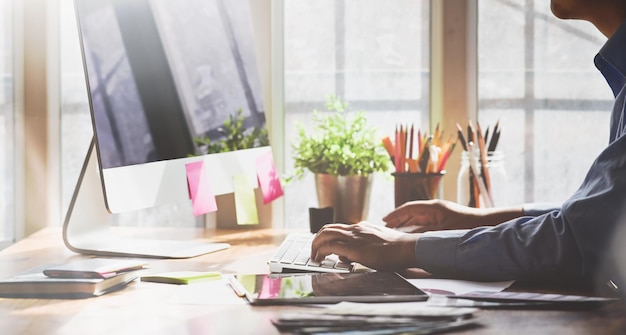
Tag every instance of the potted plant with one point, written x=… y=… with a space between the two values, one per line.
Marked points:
x=343 y=152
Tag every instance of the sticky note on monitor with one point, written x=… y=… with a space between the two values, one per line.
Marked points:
x=202 y=197
x=245 y=203
x=269 y=182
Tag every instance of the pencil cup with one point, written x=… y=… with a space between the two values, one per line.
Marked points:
x=416 y=186
x=468 y=192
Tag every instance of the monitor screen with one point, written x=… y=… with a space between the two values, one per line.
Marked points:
x=169 y=83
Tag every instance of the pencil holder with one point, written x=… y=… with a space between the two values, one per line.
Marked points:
x=416 y=186
x=468 y=193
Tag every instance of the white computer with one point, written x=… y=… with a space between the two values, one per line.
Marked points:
x=161 y=74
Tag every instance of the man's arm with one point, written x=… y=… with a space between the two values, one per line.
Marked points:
x=567 y=243
x=538 y=209
x=525 y=248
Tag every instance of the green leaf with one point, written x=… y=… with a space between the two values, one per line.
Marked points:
x=235 y=136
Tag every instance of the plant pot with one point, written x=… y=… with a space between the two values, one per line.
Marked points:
x=348 y=195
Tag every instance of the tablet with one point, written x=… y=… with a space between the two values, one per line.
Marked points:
x=325 y=288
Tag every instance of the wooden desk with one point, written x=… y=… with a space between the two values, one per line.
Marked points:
x=146 y=308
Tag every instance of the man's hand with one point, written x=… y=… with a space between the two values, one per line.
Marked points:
x=421 y=216
x=374 y=246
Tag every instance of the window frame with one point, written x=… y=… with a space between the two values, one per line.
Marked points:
x=37 y=116
x=454 y=94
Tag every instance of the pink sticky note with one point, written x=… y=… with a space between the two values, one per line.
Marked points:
x=268 y=178
x=270 y=287
x=202 y=197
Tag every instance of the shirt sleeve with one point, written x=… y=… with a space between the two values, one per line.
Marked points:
x=571 y=242
x=537 y=209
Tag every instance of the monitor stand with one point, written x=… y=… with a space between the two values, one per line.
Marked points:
x=87 y=226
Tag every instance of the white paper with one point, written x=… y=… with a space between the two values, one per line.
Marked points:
x=218 y=292
x=409 y=309
x=453 y=286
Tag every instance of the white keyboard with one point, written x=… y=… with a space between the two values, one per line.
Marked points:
x=294 y=253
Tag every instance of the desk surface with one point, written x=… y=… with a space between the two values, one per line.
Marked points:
x=147 y=308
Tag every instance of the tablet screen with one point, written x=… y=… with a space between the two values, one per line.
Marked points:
x=307 y=288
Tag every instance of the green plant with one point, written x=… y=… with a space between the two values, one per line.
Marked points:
x=236 y=136
x=341 y=143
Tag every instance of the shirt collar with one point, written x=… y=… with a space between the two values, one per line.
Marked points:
x=611 y=61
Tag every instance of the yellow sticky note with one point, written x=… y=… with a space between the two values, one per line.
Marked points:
x=248 y=281
x=245 y=203
x=182 y=277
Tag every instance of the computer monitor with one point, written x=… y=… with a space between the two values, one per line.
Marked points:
x=161 y=75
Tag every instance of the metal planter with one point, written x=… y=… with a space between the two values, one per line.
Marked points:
x=348 y=195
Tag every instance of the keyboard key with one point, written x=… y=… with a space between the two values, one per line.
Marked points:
x=303 y=257
x=313 y=263
x=342 y=266
x=328 y=263
x=290 y=255
x=281 y=251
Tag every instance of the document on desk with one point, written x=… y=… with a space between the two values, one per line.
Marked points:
x=529 y=300
x=379 y=318
x=456 y=287
x=217 y=292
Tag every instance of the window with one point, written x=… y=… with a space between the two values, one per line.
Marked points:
x=536 y=75
x=7 y=126
x=371 y=54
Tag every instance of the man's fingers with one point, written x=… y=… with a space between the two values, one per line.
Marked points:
x=396 y=220
x=345 y=260
x=394 y=223
x=421 y=229
x=418 y=221
x=329 y=232
x=394 y=216
x=340 y=226
x=338 y=248
x=327 y=239
x=408 y=221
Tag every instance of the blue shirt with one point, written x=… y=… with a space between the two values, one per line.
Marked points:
x=574 y=241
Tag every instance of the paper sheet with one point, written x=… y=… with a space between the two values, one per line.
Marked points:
x=269 y=181
x=453 y=286
x=245 y=203
x=202 y=197
x=216 y=292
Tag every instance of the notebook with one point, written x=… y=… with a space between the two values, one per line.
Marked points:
x=35 y=284
x=94 y=268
